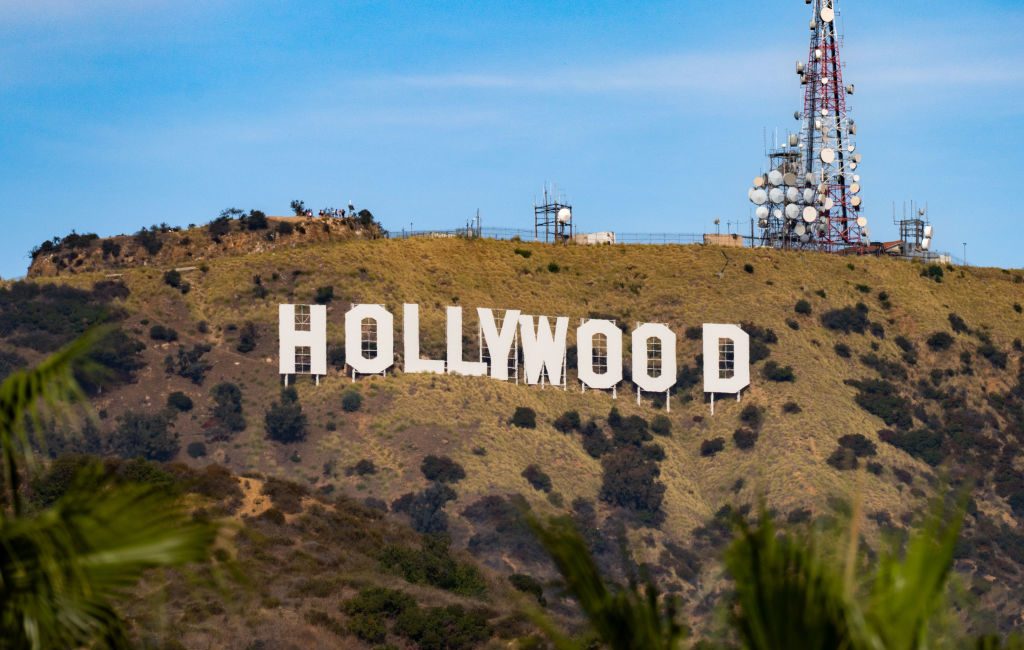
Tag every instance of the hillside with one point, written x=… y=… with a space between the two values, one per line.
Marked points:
x=904 y=379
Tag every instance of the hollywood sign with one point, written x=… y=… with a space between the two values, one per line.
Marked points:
x=370 y=349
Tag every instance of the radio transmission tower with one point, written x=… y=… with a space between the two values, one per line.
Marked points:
x=809 y=197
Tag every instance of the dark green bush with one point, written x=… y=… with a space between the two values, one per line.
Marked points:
x=172 y=278
x=362 y=468
x=802 y=307
x=196 y=449
x=522 y=252
x=140 y=435
x=752 y=415
x=846 y=320
x=939 y=341
x=958 y=324
x=161 y=333
x=189 y=363
x=791 y=407
x=528 y=585
x=442 y=469
x=284 y=420
x=247 y=336
x=630 y=480
x=749 y=268
x=524 y=418
x=179 y=401
x=351 y=401
x=536 y=477
x=920 y=443
x=324 y=295
x=772 y=371
x=882 y=399
x=432 y=564
x=444 y=628
x=712 y=446
x=426 y=508
x=568 y=421
x=553 y=267
x=661 y=425
x=932 y=272
x=744 y=438
x=227 y=410
x=842 y=350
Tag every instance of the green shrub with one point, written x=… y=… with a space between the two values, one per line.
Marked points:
x=712 y=446
x=932 y=272
x=227 y=410
x=553 y=267
x=432 y=564
x=958 y=324
x=442 y=469
x=802 y=307
x=247 y=336
x=284 y=420
x=196 y=449
x=189 y=363
x=179 y=401
x=351 y=401
x=744 y=438
x=791 y=407
x=863 y=288
x=444 y=628
x=324 y=295
x=362 y=468
x=568 y=421
x=379 y=600
x=842 y=350
x=846 y=320
x=939 y=341
x=536 y=477
x=749 y=268
x=140 y=435
x=630 y=480
x=772 y=371
x=882 y=399
x=528 y=585
x=524 y=418
x=752 y=415
x=161 y=333
x=285 y=228
x=172 y=278
x=1017 y=308
x=661 y=425
x=522 y=252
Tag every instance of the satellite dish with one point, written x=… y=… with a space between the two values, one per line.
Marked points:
x=777 y=213
x=759 y=181
x=928 y=231
x=817 y=54
x=762 y=223
x=789 y=179
x=855 y=201
x=855 y=187
x=793 y=195
x=799 y=67
x=775 y=177
x=849 y=89
x=828 y=204
x=851 y=147
x=805 y=238
x=809 y=178
x=853 y=165
x=800 y=229
x=857 y=157
x=824 y=111
x=792 y=211
x=762 y=212
x=564 y=215
x=814 y=25
x=926 y=243
x=810 y=214
x=828 y=14
x=856 y=178
x=853 y=129
x=796 y=115
x=818 y=125
x=808 y=195
x=759 y=197
x=777 y=195
x=827 y=155
x=794 y=139
x=862 y=222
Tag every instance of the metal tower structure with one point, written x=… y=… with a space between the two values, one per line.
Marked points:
x=809 y=197
x=552 y=218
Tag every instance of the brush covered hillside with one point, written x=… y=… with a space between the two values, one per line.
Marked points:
x=875 y=384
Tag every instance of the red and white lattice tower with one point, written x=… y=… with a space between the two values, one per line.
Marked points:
x=809 y=197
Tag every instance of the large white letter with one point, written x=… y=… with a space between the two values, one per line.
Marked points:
x=411 y=334
x=384 y=323
x=723 y=374
x=585 y=353
x=499 y=345
x=543 y=350
x=308 y=330
x=641 y=378
x=456 y=364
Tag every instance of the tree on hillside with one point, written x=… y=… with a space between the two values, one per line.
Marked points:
x=298 y=207
x=62 y=566
x=284 y=419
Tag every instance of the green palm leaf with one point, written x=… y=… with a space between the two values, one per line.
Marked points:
x=61 y=568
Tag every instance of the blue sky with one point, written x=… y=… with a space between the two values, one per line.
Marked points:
x=116 y=114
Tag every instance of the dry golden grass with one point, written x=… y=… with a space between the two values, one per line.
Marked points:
x=409 y=416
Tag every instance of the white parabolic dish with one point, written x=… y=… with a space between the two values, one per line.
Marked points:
x=828 y=14
x=759 y=197
x=792 y=211
x=862 y=222
x=827 y=155
x=775 y=177
x=793 y=195
x=564 y=215
x=777 y=195
x=762 y=212
x=810 y=214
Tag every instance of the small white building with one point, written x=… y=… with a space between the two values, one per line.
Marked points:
x=595 y=238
